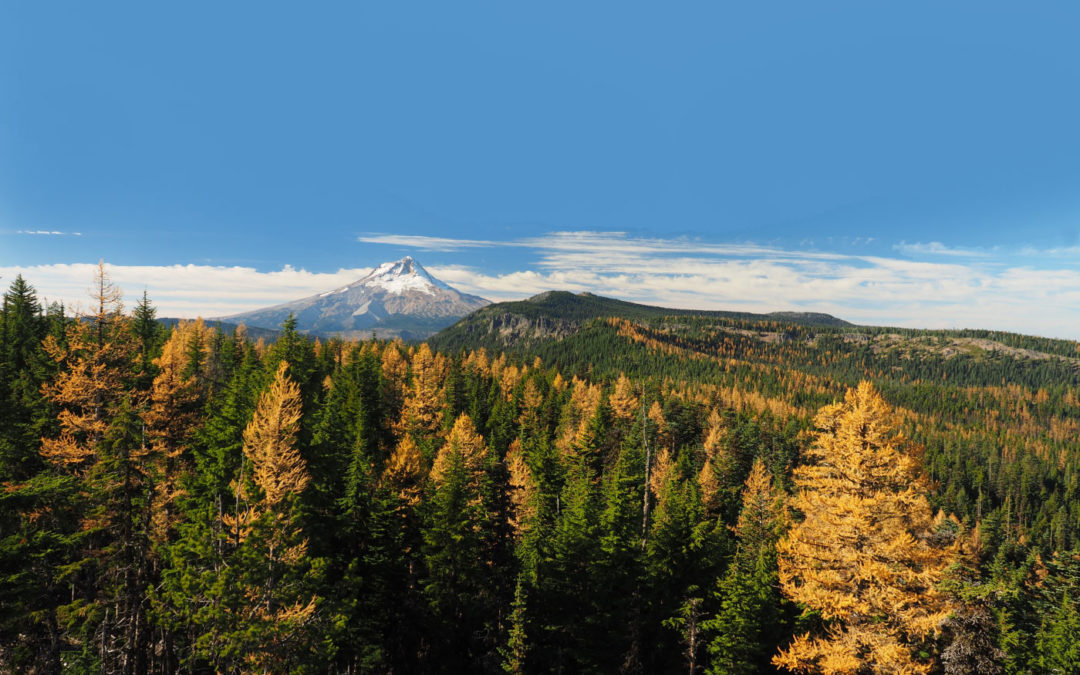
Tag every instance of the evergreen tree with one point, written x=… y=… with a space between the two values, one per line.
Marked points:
x=516 y=651
x=748 y=624
x=688 y=622
x=147 y=331
x=33 y=503
x=1059 y=638
x=684 y=553
x=619 y=568
x=569 y=611
x=458 y=584
x=22 y=371
x=379 y=608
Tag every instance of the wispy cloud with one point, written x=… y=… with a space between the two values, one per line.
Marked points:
x=55 y=233
x=423 y=243
x=1072 y=252
x=586 y=240
x=937 y=248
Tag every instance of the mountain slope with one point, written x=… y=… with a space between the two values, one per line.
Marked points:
x=397 y=299
x=586 y=333
x=559 y=314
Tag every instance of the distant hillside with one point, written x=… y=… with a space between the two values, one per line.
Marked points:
x=588 y=333
x=559 y=314
x=253 y=332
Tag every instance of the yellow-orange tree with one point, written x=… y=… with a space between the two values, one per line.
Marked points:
x=862 y=553
x=100 y=455
x=270 y=579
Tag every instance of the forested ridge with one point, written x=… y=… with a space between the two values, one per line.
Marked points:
x=646 y=493
x=997 y=414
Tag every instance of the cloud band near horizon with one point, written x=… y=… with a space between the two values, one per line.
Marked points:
x=952 y=289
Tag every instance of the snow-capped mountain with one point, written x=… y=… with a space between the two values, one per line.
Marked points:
x=397 y=299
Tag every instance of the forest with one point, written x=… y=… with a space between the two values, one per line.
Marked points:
x=649 y=494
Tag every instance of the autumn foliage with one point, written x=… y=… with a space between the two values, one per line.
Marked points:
x=650 y=496
x=862 y=551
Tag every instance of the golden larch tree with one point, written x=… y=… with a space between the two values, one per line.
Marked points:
x=465 y=442
x=395 y=371
x=95 y=362
x=661 y=471
x=531 y=400
x=664 y=461
x=623 y=401
x=761 y=515
x=716 y=432
x=508 y=378
x=709 y=478
x=422 y=412
x=275 y=585
x=862 y=553
x=477 y=362
x=584 y=402
x=175 y=404
x=277 y=469
x=270 y=441
x=709 y=483
x=558 y=384
x=404 y=472
x=659 y=425
x=523 y=488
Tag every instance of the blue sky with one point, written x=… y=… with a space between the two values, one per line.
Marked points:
x=913 y=163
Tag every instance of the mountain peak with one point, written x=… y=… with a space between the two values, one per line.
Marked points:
x=397 y=298
x=402 y=276
x=404 y=266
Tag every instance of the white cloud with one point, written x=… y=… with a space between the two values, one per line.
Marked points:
x=864 y=289
x=426 y=243
x=970 y=292
x=583 y=241
x=620 y=242
x=937 y=248
x=184 y=290
x=49 y=232
x=1057 y=252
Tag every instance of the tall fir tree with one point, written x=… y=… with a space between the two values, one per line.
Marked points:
x=23 y=369
x=748 y=623
x=148 y=333
x=458 y=583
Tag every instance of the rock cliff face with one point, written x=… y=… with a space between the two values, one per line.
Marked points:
x=512 y=327
x=397 y=299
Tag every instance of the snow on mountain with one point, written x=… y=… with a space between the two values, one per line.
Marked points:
x=401 y=276
x=397 y=298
